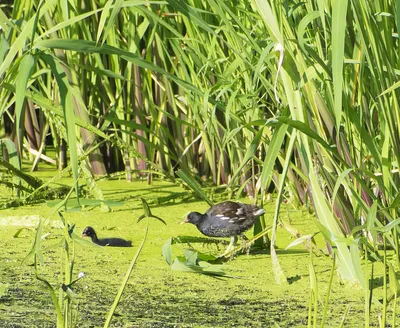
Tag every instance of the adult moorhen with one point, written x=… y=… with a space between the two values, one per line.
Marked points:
x=116 y=242
x=226 y=219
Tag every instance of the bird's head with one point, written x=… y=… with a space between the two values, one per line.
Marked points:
x=192 y=217
x=88 y=232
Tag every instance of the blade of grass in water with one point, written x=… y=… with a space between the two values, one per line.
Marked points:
x=126 y=278
x=328 y=293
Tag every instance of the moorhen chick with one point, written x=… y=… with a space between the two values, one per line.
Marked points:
x=116 y=242
x=226 y=219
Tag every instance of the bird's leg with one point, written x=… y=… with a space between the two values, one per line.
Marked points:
x=246 y=246
x=231 y=246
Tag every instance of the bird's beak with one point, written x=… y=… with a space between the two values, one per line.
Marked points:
x=185 y=221
x=84 y=235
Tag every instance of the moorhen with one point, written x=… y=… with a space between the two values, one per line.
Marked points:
x=226 y=219
x=116 y=242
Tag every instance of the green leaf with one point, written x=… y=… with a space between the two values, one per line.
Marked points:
x=271 y=155
x=396 y=202
x=21 y=82
x=270 y=19
x=12 y=152
x=20 y=42
x=339 y=182
x=387 y=227
x=18 y=232
x=67 y=290
x=36 y=249
x=339 y=13
x=5 y=24
x=187 y=10
x=102 y=22
x=146 y=208
x=167 y=251
x=250 y=152
x=127 y=123
x=193 y=261
x=194 y=186
x=14 y=161
x=60 y=316
x=300 y=240
x=303 y=26
x=181 y=266
x=68 y=110
x=92 y=47
x=302 y=127
x=125 y=280
x=147 y=212
x=111 y=22
x=393 y=281
x=66 y=23
x=190 y=256
x=355 y=257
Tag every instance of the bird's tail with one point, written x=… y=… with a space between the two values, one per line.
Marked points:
x=259 y=212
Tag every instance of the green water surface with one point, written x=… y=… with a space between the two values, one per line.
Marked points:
x=156 y=296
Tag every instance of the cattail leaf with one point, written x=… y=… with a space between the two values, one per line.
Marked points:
x=303 y=25
x=271 y=155
x=104 y=15
x=24 y=73
x=299 y=240
x=20 y=42
x=270 y=19
x=250 y=153
x=339 y=11
x=355 y=256
x=92 y=47
x=387 y=227
x=302 y=127
x=192 y=184
x=68 y=110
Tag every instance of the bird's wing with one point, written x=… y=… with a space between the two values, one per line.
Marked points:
x=228 y=211
x=226 y=208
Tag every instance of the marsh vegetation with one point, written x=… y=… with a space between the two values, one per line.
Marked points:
x=291 y=105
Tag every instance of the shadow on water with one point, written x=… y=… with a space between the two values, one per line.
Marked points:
x=291 y=251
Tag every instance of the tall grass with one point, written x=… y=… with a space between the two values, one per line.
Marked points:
x=141 y=73
x=302 y=95
x=347 y=120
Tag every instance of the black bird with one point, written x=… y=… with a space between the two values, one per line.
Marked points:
x=117 y=242
x=226 y=219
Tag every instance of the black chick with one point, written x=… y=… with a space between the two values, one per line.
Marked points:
x=116 y=242
x=226 y=219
